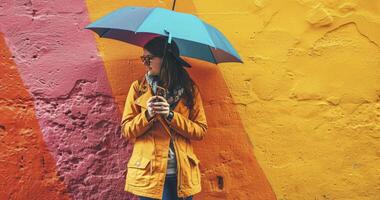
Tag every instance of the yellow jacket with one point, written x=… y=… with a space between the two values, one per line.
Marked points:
x=148 y=163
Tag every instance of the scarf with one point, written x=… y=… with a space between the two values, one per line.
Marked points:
x=172 y=97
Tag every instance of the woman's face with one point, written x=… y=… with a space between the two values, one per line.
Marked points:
x=152 y=63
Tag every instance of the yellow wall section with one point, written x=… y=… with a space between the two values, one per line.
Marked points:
x=309 y=91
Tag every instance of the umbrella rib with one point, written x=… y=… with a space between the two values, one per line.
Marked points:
x=204 y=26
x=105 y=32
x=137 y=29
x=216 y=62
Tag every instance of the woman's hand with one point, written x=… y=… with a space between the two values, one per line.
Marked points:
x=161 y=106
x=149 y=104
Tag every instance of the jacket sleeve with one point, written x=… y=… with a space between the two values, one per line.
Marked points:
x=134 y=122
x=194 y=127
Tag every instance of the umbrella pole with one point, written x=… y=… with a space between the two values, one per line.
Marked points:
x=173 y=5
x=164 y=56
x=166 y=46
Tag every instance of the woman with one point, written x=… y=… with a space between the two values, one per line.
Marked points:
x=163 y=164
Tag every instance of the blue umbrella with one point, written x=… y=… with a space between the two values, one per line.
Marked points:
x=194 y=37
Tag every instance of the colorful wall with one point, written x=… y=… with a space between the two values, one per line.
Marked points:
x=298 y=120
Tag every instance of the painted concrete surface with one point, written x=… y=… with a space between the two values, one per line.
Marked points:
x=27 y=166
x=298 y=120
x=308 y=94
x=59 y=65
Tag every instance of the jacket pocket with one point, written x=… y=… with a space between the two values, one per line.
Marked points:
x=194 y=168
x=139 y=173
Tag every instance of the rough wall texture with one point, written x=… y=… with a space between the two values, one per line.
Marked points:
x=309 y=92
x=298 y=120
x=27 y=166
x=78 y=119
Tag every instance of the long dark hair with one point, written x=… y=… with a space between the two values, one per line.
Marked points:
x=172 y=73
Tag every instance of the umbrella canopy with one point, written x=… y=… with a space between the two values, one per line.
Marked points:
x=194 y=37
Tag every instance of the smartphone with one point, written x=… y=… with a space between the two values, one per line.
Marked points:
x=160 y=91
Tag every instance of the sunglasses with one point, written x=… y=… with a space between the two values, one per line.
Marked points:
x=147 y=59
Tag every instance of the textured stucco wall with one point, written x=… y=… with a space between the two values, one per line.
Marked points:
x=26 y=166
x=309 y=92
x=76 y=115
x=298 y=120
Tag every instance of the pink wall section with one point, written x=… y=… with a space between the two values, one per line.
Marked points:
x=27 y=168
x=59 y=64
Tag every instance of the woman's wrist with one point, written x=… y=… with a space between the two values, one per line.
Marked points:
x=148 y=117
x=170 y=116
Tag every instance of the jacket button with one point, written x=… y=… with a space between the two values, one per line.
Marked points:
x=137 y=163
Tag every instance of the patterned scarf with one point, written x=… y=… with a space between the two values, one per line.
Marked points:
x=171 y=96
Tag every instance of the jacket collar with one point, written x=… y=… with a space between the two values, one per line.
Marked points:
x=147 y=93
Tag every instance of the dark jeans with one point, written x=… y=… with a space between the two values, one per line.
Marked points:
x=170 y=190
